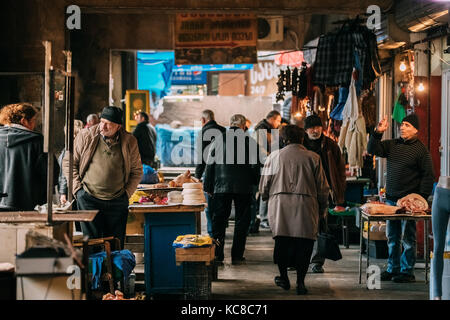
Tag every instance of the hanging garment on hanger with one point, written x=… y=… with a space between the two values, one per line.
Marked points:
x=399 y=109
x=369 y=109
x=303 y=89
x=336 y=113
x=353 y=135
x=335 y=57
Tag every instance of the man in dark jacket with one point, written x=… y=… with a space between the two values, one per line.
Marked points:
x=23 y=163
x=263 y=136
x=409 y=170
x=210 y=130
x=231 y=173
x=333 y=165
x=145 y=134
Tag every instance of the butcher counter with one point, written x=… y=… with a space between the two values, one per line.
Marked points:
x=162 y=225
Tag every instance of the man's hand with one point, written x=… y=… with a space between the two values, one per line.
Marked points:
x=63 y=199
x=382 y=125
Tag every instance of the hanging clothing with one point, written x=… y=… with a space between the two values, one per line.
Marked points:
x=303 y=89
x=336 y=113
x=369 y=109
x=335 y=57
x=399 y=109
x=353 y=132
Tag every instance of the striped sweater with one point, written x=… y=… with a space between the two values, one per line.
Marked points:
x=409 y=166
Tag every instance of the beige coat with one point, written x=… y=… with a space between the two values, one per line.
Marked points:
x=294 y=181
x=85 y=145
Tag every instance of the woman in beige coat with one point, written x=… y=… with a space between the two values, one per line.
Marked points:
x=294 y=182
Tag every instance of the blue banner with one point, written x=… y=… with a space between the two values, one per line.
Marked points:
x=189 y=77
x=212 y=67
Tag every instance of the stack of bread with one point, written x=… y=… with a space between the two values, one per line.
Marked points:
x=193 y=194
x=175 y=197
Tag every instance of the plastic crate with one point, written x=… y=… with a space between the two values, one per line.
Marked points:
x=197 y=280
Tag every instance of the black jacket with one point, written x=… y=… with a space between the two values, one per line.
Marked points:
x=23 y=165
x=200 y=168
x=409 y=166
x=235 y=178
x=146 y=138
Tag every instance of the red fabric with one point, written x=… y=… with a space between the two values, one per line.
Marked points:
x=291 y=59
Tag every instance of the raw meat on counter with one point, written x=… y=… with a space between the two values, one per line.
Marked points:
x=380 y=209
x=413 y=202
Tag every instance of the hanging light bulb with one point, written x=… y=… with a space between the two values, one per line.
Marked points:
x=402 y=66
x=421 y=87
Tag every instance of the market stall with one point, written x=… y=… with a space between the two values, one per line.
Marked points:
x=411 y=207
x=164 y=212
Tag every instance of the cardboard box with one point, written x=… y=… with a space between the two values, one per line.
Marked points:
x=375 y=235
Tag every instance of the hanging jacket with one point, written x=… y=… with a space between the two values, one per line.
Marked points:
x=353 y=132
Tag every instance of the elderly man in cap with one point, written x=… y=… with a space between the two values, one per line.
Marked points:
x=334 y=166
x=107 y=169
x=409 y=170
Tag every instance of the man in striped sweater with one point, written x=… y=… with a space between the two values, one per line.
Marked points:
x=409 y=170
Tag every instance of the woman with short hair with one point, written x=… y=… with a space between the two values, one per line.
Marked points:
x=294 y=183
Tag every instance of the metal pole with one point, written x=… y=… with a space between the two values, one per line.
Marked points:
x=361 y=229
x=69 y=120
x=48 y=126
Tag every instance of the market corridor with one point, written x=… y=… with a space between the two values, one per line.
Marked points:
x=254 y=280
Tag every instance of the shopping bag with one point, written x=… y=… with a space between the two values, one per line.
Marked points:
x=328 y=247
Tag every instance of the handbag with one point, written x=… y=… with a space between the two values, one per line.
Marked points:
x=327 y=247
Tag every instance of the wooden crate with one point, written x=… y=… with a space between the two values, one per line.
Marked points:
x=202 y=254
x=375 y=235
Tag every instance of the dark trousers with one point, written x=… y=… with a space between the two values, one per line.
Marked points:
x=221 y=210
x=293 y=252
x=111 y=219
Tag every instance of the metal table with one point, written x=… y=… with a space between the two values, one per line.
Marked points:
x=370 y=218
